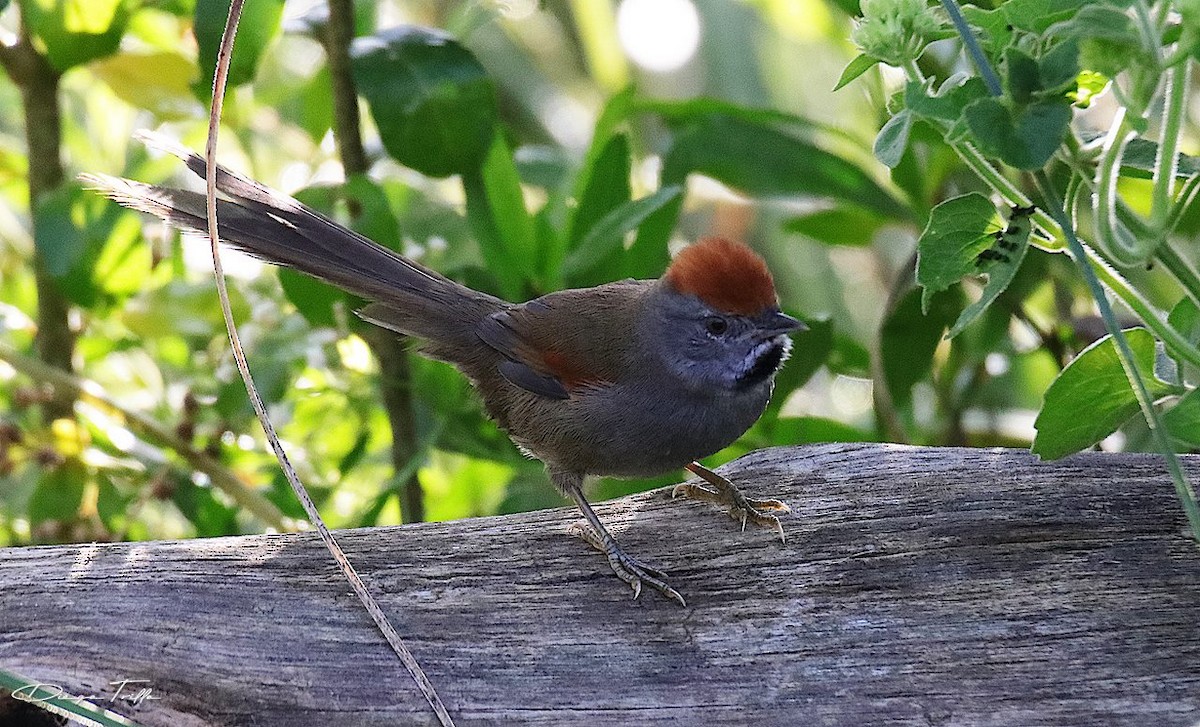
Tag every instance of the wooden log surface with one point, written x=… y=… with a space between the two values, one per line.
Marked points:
x=917 y=587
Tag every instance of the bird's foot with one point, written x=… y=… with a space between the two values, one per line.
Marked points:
x=629 y=569
x=728 y=496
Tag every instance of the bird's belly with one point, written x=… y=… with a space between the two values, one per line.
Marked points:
x=631 y=436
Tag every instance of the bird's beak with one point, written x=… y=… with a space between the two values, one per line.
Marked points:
x=777 y=322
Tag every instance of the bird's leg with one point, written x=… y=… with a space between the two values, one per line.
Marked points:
x=629 y=569
x=727 y=495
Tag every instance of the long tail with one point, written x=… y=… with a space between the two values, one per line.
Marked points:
x=407 y=297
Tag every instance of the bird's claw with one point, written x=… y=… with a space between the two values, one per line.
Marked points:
x=739 y=507
x=629 y=569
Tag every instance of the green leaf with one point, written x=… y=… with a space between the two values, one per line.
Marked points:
x=433 y=102
x=1021 y=75
x=1141 y=155
x=760 y=154
x=605 y=188
x=856 y=68
x=842 y=225
x=59 y=492
x=259 y=25
x=1185 y=318
x=158 y=81
x=1183 y=419
x=893 y=139
x=947 y=104
x=609 y=232
x=958 y=230
x=909 y=336
x=1038 y=15
x=1108 y=39
x=496 y=211
x=1092 y=397
x=76 y=31
x=1000 y=271
x=1026 y=142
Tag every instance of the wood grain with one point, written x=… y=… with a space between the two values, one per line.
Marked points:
x=917 y=587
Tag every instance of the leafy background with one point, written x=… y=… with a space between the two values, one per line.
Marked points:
x=521 y=148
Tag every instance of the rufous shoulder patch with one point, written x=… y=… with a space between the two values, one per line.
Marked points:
x=726 y=275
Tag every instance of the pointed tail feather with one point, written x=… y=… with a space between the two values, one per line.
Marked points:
x=276 y=228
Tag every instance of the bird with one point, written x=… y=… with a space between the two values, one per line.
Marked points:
x=633 y=378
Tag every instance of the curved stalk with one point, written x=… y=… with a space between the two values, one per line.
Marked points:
x=1113 y=236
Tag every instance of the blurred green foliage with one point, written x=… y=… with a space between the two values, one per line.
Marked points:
x=521 y=148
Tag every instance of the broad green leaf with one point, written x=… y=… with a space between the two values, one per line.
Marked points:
x=496 y=211
x=856 y=68
x=158 y=81
x=958 y=230
x=1021 y=76
x=606 y=188
x=609 y=232
x=259 y=25
x=760 y=154
x=763 y=160
x=996 y=32
x=433 y=102
x=1185 y=318
x=1092 y=397
x=1026 y=141
x=76 y=31
x=59 y=492
x=1183 y=419
x=842 y=225
x=909 y=337
x=1008 y=254
x=893 y=139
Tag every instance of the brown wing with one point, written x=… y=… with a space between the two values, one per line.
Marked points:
x=568 y=342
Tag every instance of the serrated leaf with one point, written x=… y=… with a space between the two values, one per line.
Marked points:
x=1092 y=397
x=259 y=25
x=1000 y=272
x=433 y=102
x=893 y=139
x=842 y=225
x=958 y=230
x=856 y=68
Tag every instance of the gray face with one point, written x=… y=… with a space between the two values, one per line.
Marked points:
x=713 y=350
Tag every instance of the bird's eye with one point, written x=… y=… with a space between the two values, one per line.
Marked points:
x=716 y=325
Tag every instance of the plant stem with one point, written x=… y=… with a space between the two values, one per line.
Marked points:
x=38 y=83
x=990 y=79
x=1182 y=487
x=395 y=369
x=1166 y=165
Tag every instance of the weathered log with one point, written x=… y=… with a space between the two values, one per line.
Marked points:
x=917 y=587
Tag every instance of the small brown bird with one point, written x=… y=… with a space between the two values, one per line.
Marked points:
x=629 y=379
